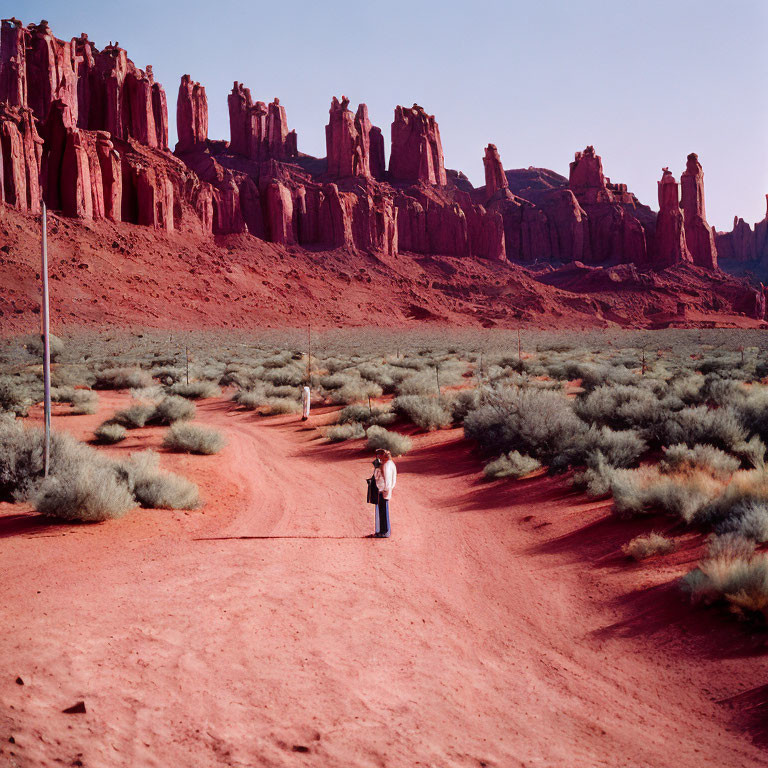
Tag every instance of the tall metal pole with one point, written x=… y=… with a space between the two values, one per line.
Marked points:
x=45 y=333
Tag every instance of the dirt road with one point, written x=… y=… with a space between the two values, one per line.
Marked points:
x=497 y=627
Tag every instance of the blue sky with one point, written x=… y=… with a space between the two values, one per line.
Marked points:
x=645 y=81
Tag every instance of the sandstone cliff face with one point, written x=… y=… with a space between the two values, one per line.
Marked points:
x=670 y=229
x=699 y=236
x=86 y=130
x=745 y=245
x=417 y=153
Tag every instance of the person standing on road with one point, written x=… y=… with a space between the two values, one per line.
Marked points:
x=386 y=478
x=305 y=398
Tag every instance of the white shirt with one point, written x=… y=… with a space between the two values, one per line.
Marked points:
x=386 y=478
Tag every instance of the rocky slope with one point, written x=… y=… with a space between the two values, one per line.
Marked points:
x=87 y=131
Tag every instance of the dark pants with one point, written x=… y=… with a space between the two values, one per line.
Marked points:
x=382 y=517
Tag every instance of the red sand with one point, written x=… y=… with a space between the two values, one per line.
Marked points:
x=498 y=627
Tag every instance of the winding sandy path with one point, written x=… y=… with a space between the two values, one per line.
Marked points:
x=495 y=628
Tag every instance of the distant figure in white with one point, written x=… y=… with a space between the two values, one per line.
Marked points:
x=305 y=398
x=385 y=473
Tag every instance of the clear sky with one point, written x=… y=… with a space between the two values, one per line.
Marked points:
x=645 y=81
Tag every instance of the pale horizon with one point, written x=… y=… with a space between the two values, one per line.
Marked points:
x=644 y=85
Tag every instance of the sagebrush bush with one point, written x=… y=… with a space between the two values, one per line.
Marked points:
x=352 y=430
x=122 y=378
x=109 y=433
x=719 y=427
x=172 y=409
x=378 y=437
x=648 y=545
x=355 y=390
x=16 y=397
x=513 y=464
x=680 y=457
x=282 y=405
x=154 y=488
x=134 y=416
x=362 y=414
x=732 y=573
x=250 y=399
x=84 y=402
x=90 y=493
x=196 y=389
x=465 y=401
x=741 y=508
x=427 y=413
x=540 y=423
x=189 y=438
x=34 y=345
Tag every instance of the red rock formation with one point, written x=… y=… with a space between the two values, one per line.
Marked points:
x=279 y=213
x=259 y=131
x=494 y=172
x=347 y=140
x=75 y=182
x=50 y=74
x=13 y=66
x=698 y=234
x=586 y=178
x=191 y=115
x=670 y=231
x=111 y=177
x=377 y=160
x=417 y=153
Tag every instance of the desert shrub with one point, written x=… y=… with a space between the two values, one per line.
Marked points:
x=648 y=545
x=378 y=437
x=15 y=397
x=62 y=394
x=427 y=413
x=618 y=448
x=250 y=399
x=741 y=508
x=355 y=391
x=596 y=479
x=352 y=430
x=122 y=378
x=84 y=401
x=644 y=489
x=540 y=423
x=333 y=381
x=752 y=410
x=719 y=427
x=34 y=345
x=361 y=414
x=21 y=458
x=189 y=438
x=270 y=390
x=733 y=573
x=383 y=375
x=89 y=492
x=680 y=457
x=154 y=488
x=512 y=464
x=751 y=451
x=134 y=416
x=167 y=374
x=288 y=376
x=171 y=409
x=196 y=389
x=282 y=405
x=465 y=401
x=109 y=433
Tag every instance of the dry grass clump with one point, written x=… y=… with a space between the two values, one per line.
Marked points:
x=513 y=464
x=154 y=488
x=378 y=437
x=282 y=405
x=90 y=492
x=734 y=574
x=109 y=433
x=355 y=390
x=188 y=438
x=427 y=413
x=338 y=433
x=84 y=401
x=363 y=414
x=172 y=409
x=122 y=378
x=17 y=396
x=134 y=416
x=648 y=545
x=34 y=345
x=680 y=457
x=196 y=390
